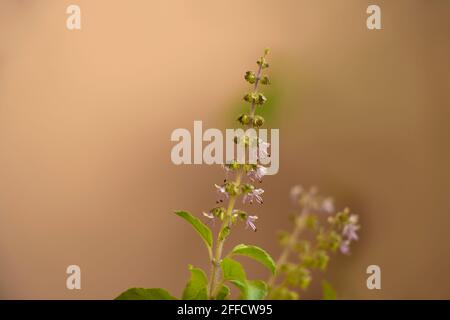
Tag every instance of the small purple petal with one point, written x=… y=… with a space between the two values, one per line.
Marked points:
x=250 y=222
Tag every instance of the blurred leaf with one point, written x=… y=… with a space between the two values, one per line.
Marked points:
x=224 y=292
x=145 y=294
x=251 y=289
x=328 y=291
x=255 y=253
x=197 y=287
x=199 y=226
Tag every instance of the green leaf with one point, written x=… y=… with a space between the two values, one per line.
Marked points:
x=233 y=270
x=199 y=226
x=257 y=254
x=145 y=294
x=328 y=291
x=235 y=273
x=256 y=290
x=197 y=287
x=251 y=289
x=223 y=293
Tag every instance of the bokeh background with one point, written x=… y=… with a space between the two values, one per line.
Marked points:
x=86 y=117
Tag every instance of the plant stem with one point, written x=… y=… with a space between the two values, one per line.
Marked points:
x=258 y=77
x=282 y=259
x=219 y=242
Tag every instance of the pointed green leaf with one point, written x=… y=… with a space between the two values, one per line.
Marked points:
x=255 y=253
x=256 y=290
x=145 y=294
x=197 y=287
x=223 y=293
x=199 y=226
x=233 y=270
x=251 y=289
x=328 y=291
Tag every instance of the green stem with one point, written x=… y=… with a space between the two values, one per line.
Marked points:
x=283 y=258
x=220 y=242
x=214 y=285
x=255 y=88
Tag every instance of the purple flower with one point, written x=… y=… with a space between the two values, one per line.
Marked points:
x=223 y=194
x=349 y=232
x=250 y=222
x=345 y=247
x=254 y=195
x=258 y=173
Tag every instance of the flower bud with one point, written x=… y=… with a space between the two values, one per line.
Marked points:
x=262 y=63
x=261 y=99
x=218 y=212
x=250 y=77
x=232 y=188
x=258 y=121
x=234 y=165
x=224 y=233
x=244 y=119
x=246 y=188
x=251 y=97
x=265 y=80
x=244 y=140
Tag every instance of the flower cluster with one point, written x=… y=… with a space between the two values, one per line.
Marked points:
x=255 y=147
x=329 y=232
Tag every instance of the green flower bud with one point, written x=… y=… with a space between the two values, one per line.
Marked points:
x=312 y=222
x=283 y=293
x=219 y=212
x=241 y=215
x=284 y=238
x=249 y=167
x=250 y=77
x=322 y=259
x=307 y=261
x=265 y=80
x=247 y=188
x=258 y=121
x=261 y=99
x=233 y=165
x=244 y=140
x=302 y=247
x=262 y=63
x=232 y=189
x=244 y=119
x=251 y=97
x=224 y=233
x=299 y=277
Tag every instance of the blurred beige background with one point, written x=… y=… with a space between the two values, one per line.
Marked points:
x=86 y=117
